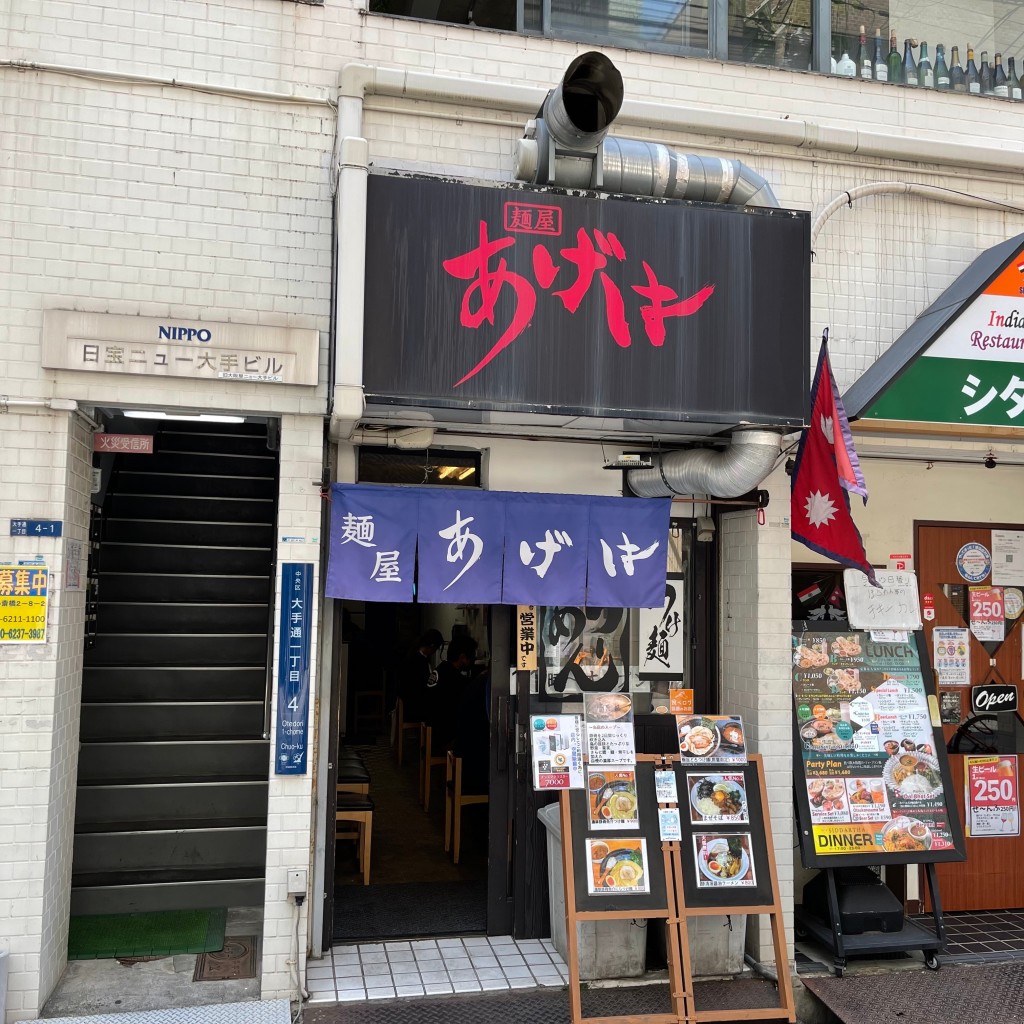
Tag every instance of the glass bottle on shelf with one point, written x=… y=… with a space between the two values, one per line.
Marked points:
x=971 y=75
x=957 y=79
x=864 y=61
x=909 y=64
x=985 y=75
x=942 y=79
x=1000 y=83
x=893 y=61
x=881 y=69
x=846 y=67
x=1013 y=81
x=925 y=74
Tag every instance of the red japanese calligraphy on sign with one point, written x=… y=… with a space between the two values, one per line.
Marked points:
x=595 y=254
x=533 y=219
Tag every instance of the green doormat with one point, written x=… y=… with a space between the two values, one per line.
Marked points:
x=161 y=933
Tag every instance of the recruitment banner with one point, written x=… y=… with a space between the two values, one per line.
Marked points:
x=24 y=592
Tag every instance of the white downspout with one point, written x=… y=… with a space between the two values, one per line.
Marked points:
x=352 y=160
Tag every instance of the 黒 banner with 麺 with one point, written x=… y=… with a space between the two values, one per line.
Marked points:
x=461 y=545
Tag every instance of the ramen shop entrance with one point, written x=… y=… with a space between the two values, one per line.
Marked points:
x=418 y=714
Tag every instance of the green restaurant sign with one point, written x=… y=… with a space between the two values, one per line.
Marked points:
x=972 y=371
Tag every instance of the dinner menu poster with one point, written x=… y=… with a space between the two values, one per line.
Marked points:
x=873 y=784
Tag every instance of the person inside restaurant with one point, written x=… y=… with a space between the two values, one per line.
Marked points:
x=416 y=675
x=444 y=692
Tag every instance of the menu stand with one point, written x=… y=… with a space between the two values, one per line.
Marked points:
x=841 y=944
x=680 y=983
x=901 y=667
x=675 y=913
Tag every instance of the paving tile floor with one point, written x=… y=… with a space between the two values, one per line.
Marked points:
x=392 y=970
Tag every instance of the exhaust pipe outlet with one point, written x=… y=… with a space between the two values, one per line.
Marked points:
x=579 y=111
x=736 y=470
x=566 y=145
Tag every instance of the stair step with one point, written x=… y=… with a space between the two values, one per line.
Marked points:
x=180 y=589
x=199 y=720
x=213 y=851
x=113 y=808
x=168 y=825
x=183 y=507
x=170 y=531
x=178 y=649
x=88 y=897
x=188 y=683
x=184 y=560
x=173 y=761
x=178 y=617
x=210 y=463
x=178 y=485
x=242 y=441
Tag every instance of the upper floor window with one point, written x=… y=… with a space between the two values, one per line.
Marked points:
x=816 y=35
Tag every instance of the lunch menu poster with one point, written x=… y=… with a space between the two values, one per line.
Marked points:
x=874 y=780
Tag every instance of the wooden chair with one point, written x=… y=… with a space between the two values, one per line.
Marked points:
x=401 y=728
x=428 y=760
x=352 y=776
x=356 y=812
x=368 y=710
x=454 y=801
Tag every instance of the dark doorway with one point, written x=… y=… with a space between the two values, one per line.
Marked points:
x=416 y=886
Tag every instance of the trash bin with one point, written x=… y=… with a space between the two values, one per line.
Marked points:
x=607 y=949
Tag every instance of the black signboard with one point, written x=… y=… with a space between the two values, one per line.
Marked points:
x=623 y=842
x=993 y=697
x=746 y=833
x=512 y=299
x=871 y=773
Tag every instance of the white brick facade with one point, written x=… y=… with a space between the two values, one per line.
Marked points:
x=174 y=158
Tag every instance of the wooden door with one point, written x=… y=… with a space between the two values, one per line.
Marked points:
x=992 y=877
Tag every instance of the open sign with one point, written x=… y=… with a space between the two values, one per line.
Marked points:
x=993 y=697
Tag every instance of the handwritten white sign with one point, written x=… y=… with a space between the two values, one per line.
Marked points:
x=893 y=605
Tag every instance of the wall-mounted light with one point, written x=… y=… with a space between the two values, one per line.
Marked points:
x=204 y=417
x=705 y=529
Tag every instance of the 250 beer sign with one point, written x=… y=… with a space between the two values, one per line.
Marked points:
x=993 y=697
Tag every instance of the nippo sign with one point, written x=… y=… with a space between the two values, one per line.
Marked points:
x=132 y=444
x=993 y=697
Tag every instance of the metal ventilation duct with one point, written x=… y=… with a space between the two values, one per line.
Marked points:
x=565 y=145
x=738 y=469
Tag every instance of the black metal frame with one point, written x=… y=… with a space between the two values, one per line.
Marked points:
x=718 y=33
x=912 y=936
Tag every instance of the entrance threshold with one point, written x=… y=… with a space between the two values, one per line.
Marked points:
x=272 y=1011
x=432 y=967
x=95 y=989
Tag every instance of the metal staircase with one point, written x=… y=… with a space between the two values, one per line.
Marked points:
x=171 y=807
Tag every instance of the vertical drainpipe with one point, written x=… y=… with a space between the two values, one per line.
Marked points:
x=353 y=168
x=351 y=164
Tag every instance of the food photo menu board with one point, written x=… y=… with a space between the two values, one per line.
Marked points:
x=872 y=777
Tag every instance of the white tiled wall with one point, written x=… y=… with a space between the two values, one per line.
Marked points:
x=755 y=667
x=290 y=805
x=40 y=688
